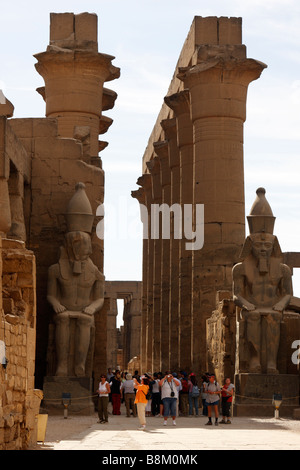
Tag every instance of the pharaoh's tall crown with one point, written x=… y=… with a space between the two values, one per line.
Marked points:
x=261 y=217
x=79 y=215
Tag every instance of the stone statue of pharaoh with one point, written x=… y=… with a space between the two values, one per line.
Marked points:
x=75 y=285
x=262 y=287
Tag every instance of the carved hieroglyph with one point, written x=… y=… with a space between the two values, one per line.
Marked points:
x=262 y=288
x=75 y=286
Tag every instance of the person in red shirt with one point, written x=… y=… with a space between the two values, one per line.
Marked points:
x=226 y=393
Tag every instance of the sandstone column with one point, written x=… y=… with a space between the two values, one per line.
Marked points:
x=140 y=195
x=180 y=103
x=145 y=181
x=170 y=130
x=6 y=111
x=162 y=150
x=154 y=320
x=74 y=74
x=218 y=86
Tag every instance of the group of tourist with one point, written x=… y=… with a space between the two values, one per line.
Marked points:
x=164 y=395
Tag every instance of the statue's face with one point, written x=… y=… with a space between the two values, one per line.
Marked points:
x=79 y=245
x=262 y=245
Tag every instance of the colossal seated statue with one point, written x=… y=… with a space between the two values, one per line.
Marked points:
x=262 y=288
x=75 y=286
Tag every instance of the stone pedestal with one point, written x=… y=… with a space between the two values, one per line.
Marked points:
x=254 y=394
x=80 y=388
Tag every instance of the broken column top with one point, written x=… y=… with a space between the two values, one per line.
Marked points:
x=218 y=30
x=71 y=31
x=6 y=107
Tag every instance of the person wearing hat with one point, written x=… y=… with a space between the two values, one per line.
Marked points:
x=127 y=389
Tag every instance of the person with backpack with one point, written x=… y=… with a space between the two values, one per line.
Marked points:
x=184 y=394
x=204 y=394
x=213 y=391
x=194 y=394
x=115 y=387
x=155 y=404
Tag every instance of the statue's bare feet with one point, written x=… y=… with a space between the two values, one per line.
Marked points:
x=255 y=369
x=79 y=371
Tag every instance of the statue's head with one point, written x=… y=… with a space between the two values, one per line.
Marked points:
x=262 y=245
x=78 y=245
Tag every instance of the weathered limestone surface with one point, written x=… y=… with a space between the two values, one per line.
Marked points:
x=19 y=400
x=221 y=337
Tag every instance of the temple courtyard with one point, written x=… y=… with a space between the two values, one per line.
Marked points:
x=189 y=434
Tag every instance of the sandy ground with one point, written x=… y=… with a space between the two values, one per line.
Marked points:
x=190 y=433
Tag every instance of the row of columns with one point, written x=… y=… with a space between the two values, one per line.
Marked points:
x=198 y=160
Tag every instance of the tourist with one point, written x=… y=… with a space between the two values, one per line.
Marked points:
x=161 y=406
x=204 y=394
x=155 y=395
x=213 y=391
x=137 y=376
x=179 y=387
x=103 y=392
x=109 y=375
x=141 y=399
x=115 y=385
x=184 y=394
x=169 y=396
x=194 y=394
x=127 y=389
x=227 y=393
x=149 y=402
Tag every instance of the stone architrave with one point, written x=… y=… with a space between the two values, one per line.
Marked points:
x=262 y=289
x=75 y=288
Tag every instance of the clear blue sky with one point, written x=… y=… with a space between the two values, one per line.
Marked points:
x=146 y=38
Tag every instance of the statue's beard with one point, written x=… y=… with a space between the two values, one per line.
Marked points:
x=263 y=264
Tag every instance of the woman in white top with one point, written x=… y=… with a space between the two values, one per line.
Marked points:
x=169 y=396
x=103 y=392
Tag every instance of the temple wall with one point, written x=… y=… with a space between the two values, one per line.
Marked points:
x=19 y=400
